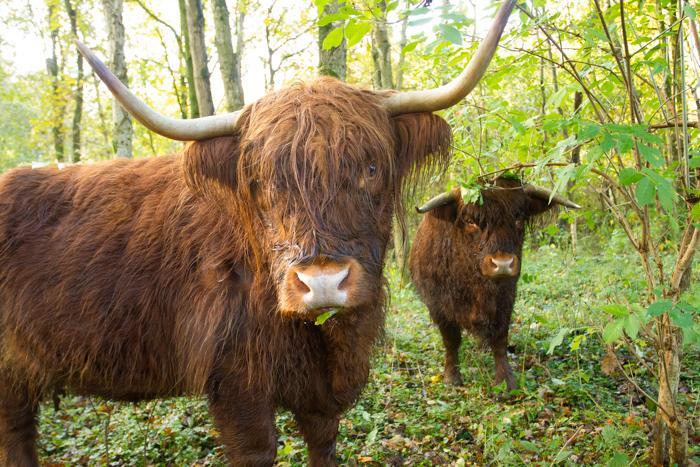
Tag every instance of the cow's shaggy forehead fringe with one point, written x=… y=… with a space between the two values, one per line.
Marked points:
x=305 y=147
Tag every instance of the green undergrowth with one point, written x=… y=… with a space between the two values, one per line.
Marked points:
x=573 y=406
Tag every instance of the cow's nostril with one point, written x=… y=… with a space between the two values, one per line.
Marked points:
x=300 y=284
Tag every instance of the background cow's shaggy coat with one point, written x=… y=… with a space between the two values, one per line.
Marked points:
x=161 y=277
x=455 y=244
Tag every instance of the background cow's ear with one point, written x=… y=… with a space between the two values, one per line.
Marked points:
x=210 y=166
x=447 y=212
x=538 y=206
x=423 y=141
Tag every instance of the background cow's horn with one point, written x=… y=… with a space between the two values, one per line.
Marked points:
x=437 y=201
x=451 y=93
x=543 y=193
x=183 y=130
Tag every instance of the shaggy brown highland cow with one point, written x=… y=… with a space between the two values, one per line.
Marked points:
x=465 y=263
x=203 y=272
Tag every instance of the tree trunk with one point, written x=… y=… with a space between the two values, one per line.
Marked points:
x=58 y=106
x=78 y=93
x=331 y=62
x=402 y=55
x=229 y=61
x=195 y=26
x=381 y=50
x=187 y=56
x=123 y=131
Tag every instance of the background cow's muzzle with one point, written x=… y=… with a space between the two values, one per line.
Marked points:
x=323 y=283
x=500 y=265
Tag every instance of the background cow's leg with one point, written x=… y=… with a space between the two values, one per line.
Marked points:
x=18 y=431
x=320 y=434
x=499 y=347
x=451 y=338
x=247 y=428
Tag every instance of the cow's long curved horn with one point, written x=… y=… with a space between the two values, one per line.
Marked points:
x=437 y=201
x=543 y=193
x=183 y=130
x=451 y=93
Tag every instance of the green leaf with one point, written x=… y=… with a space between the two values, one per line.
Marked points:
x=354 y=32
x=680 y=319
x=418 y=11
x=410 y=47
x=659 y=307
x=632 y=325
x=628 y=176
x=645 y=191
x=323 y=317
x=619 y=460
x=450 y=34
x=333 y=39
x=613 y=330
x=420 y=22
x=689 y=11
x=618 y=311
x=695 y=212
x=557 y=340
x=652 y=155
x=328 y=19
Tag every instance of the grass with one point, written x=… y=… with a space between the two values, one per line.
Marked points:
x=567 y=412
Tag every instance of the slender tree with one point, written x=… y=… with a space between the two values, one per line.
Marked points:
x=381 y=51
x=333 y=61
x=229 y=60
x=187 y=56
x=198 y=49
x=123 y=131
x=78 y=93
x=57 y=101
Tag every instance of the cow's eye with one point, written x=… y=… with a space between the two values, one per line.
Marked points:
x=471 y=227
x=520 y=224
x=372 y=170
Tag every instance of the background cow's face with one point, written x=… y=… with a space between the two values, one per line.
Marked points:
x=494 y=230
x=317 y=176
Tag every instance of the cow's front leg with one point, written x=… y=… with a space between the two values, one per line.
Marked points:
x=452 y=338
x=499 y=347
x=319 y=433
x=247 y=427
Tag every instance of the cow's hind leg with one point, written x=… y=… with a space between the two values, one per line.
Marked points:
x=452 y=339
x=18 y=425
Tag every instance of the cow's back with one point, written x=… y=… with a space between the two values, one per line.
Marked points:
x=101 y=284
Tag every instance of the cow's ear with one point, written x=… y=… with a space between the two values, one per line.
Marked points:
x=423 y=142
x=537 y=206
x=444 y=206
x=210 y=166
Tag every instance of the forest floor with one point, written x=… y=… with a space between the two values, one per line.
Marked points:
x=573 y=406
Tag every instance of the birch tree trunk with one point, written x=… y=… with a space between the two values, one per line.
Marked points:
x=122 y=131
x=229 y=61
x=331 y=62
x=381 y=50
x=198 y=49
x=78 y=93
x=58 y=106
x=187 y=57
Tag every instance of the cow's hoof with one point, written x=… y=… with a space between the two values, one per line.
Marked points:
x=453 y=379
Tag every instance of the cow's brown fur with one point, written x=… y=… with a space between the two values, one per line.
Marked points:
x=158 y=277
x=445 y=266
